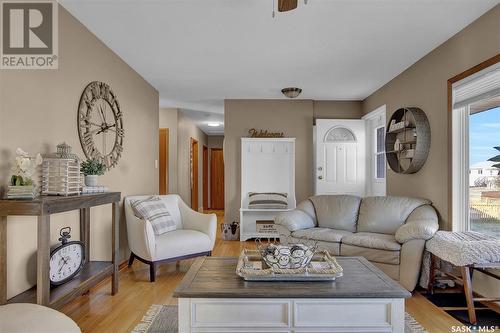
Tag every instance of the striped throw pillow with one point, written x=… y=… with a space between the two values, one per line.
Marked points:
x=267 y=200
x=155 y=211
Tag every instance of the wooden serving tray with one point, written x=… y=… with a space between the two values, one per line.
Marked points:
x=323 y=267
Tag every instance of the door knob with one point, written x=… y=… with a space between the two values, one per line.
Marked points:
x=320 y=177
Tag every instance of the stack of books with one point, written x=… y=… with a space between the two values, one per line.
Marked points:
x=94 y=189
x=22 y=192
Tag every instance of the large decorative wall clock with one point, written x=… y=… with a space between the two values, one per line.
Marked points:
x=100 y=124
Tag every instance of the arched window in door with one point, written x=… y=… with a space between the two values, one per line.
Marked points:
x=340 y=134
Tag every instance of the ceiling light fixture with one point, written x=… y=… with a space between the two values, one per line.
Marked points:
x=213 y=124
x=291 y=92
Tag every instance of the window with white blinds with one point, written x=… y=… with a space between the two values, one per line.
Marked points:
x=474 y=97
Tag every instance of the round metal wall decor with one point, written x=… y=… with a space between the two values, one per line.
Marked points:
x=407 y=140
x=100 y=124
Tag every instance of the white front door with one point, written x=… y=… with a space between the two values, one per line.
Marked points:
x=340 y=157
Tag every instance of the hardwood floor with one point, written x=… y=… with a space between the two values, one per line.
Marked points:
x=98 y=311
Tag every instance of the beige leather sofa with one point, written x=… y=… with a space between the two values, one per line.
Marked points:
x=388 y=231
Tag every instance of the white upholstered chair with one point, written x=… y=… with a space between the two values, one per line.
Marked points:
x=194 y=236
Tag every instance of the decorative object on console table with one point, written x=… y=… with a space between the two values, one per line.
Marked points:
x=407 y=140
x=94 y=189
x=61 y=172
x=67 y=259
x=21 y=183
x=92 y=169
x=100 y=124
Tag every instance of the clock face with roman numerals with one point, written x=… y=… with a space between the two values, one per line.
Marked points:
x=100 y=124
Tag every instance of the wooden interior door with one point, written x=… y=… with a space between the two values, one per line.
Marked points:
x=163 y=160
x=205 y=177
x=194 y=174
x=216 y=178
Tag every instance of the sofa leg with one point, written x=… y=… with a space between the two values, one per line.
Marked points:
x=152 y=272
x=131 y=259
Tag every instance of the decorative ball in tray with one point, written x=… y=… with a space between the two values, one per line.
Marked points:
x=286 y=257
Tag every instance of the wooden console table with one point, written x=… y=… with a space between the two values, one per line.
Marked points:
x=93 y=271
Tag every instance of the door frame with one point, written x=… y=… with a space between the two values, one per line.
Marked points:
x=205 y=177
x=212 y=180
x=163 y=160
x=194 y=164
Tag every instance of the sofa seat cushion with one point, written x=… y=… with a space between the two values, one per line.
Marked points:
x=385 y=215
x=336 y=211
x=371 y=254
x=373 y=241
x=180 y=243
x=321 y=234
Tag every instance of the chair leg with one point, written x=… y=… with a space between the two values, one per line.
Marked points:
x=209 y=254
x=466 y=277
x=131 y=259
x=152 y=272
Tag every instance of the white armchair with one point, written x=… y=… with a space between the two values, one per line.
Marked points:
x=194 y=236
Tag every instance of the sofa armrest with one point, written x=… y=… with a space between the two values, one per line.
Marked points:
x=140 y=234
x=421 y=224
x=193 y=220
x=294 y=220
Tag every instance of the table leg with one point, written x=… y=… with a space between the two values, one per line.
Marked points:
x=432 y=274
x=3 y=260
x=43 y=260
x=114 y=243
x=85 y=231
x=468 y=294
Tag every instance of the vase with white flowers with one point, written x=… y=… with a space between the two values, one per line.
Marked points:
x=24 y=168
x=92 y=169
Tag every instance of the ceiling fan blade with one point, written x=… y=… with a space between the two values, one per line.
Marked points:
x=286 y=5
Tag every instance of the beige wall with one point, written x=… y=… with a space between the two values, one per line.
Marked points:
x=424 y=85
x=242 y=115
x=215 y=141
x=38 y=110
x=168 y=119
x=186 y=130
x=337 y=110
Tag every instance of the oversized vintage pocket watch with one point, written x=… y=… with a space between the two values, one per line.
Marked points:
x=66 y=260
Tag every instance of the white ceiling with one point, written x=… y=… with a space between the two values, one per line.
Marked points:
x=199 y=52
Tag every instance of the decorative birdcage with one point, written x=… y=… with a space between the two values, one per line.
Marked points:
x=61 y=173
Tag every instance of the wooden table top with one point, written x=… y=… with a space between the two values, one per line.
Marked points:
x=215 y=277
x=51 y=204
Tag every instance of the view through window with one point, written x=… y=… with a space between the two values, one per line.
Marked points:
x=484 y=170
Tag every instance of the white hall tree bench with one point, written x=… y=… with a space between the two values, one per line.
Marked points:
x=267 y=166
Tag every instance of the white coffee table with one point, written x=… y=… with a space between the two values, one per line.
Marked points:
x=212 y=298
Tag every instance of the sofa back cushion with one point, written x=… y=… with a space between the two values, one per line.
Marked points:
x=385 y=215
x=336 y=211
